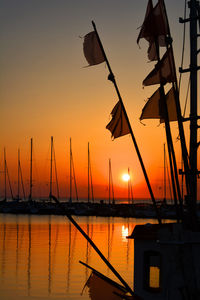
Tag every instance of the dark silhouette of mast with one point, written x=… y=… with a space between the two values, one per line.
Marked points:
x=193 y=118
x=111 y=188
x=51 y=171
x=53 y=158
x=193 y=100
x=130 y=190
x=90 y=184
x=5 y=178
x=31 y=171
x=72 y=175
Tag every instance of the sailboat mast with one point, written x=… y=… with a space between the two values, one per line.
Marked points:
x=193 y=145
x=88 y=173
x=31 y=163
x=18 y=179
x=193 y=99
x=109 y=179
x=110 y=187
x=51 y=160
x=70 y=175
x=5 y=173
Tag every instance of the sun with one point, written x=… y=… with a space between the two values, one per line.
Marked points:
x=125 y=177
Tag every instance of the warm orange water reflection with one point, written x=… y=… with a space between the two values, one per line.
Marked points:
x=39 y=255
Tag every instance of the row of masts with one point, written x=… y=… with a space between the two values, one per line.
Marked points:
x=53 y=170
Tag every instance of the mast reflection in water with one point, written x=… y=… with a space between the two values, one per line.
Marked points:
x=39 y=255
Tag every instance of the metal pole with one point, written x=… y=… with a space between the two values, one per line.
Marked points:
x=193 y=102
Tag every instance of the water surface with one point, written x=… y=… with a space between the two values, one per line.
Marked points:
x=39 y=255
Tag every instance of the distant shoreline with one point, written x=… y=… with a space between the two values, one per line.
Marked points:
x=104 y=209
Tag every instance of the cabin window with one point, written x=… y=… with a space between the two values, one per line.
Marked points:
x=152 y=271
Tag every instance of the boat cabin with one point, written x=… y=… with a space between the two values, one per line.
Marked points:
x=166 y=262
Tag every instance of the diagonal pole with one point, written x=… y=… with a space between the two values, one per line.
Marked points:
x=63 y=208
x=111 y=77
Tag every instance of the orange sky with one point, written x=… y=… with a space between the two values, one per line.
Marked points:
x=46 y=91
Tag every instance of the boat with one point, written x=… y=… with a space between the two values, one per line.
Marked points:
x=166 y=255
x=110 y=185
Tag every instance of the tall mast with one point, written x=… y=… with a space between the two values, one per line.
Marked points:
x=193 y=99
x=5 y=173
x=193 y=19
x=111 y=189
x=31 y=163
x=51 y=161
x=55 y=168
x=70 y=175
x=88 y=173
x=130 y=190
x=109 y=179
x=90 y=184
x=18 y=179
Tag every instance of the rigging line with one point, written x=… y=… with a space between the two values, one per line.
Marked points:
x=183 y=47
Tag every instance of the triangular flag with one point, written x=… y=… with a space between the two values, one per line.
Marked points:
x=118 y=125
x=92 y=49
x=163 y=71
x=153 y=109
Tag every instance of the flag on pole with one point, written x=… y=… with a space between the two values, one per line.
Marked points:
x=92 y=49
x=163 y=71
x=101 y=287
x=154 y=27
x=118 y=126
x=153 y=109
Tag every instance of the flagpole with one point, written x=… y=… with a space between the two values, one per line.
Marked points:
x=111 y=77
x=63 y=208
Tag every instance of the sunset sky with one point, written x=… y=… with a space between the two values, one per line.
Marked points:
x=47 y=90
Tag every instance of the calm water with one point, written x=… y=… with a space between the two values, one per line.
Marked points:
x=39 y=255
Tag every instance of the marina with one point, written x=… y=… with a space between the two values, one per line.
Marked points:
x=115 y=246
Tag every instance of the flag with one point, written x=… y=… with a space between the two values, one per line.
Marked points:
x=154 y=28
x=153 y=109
x=92 y=49
x=163 y=71
x=118 y=125
x=101 y=287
